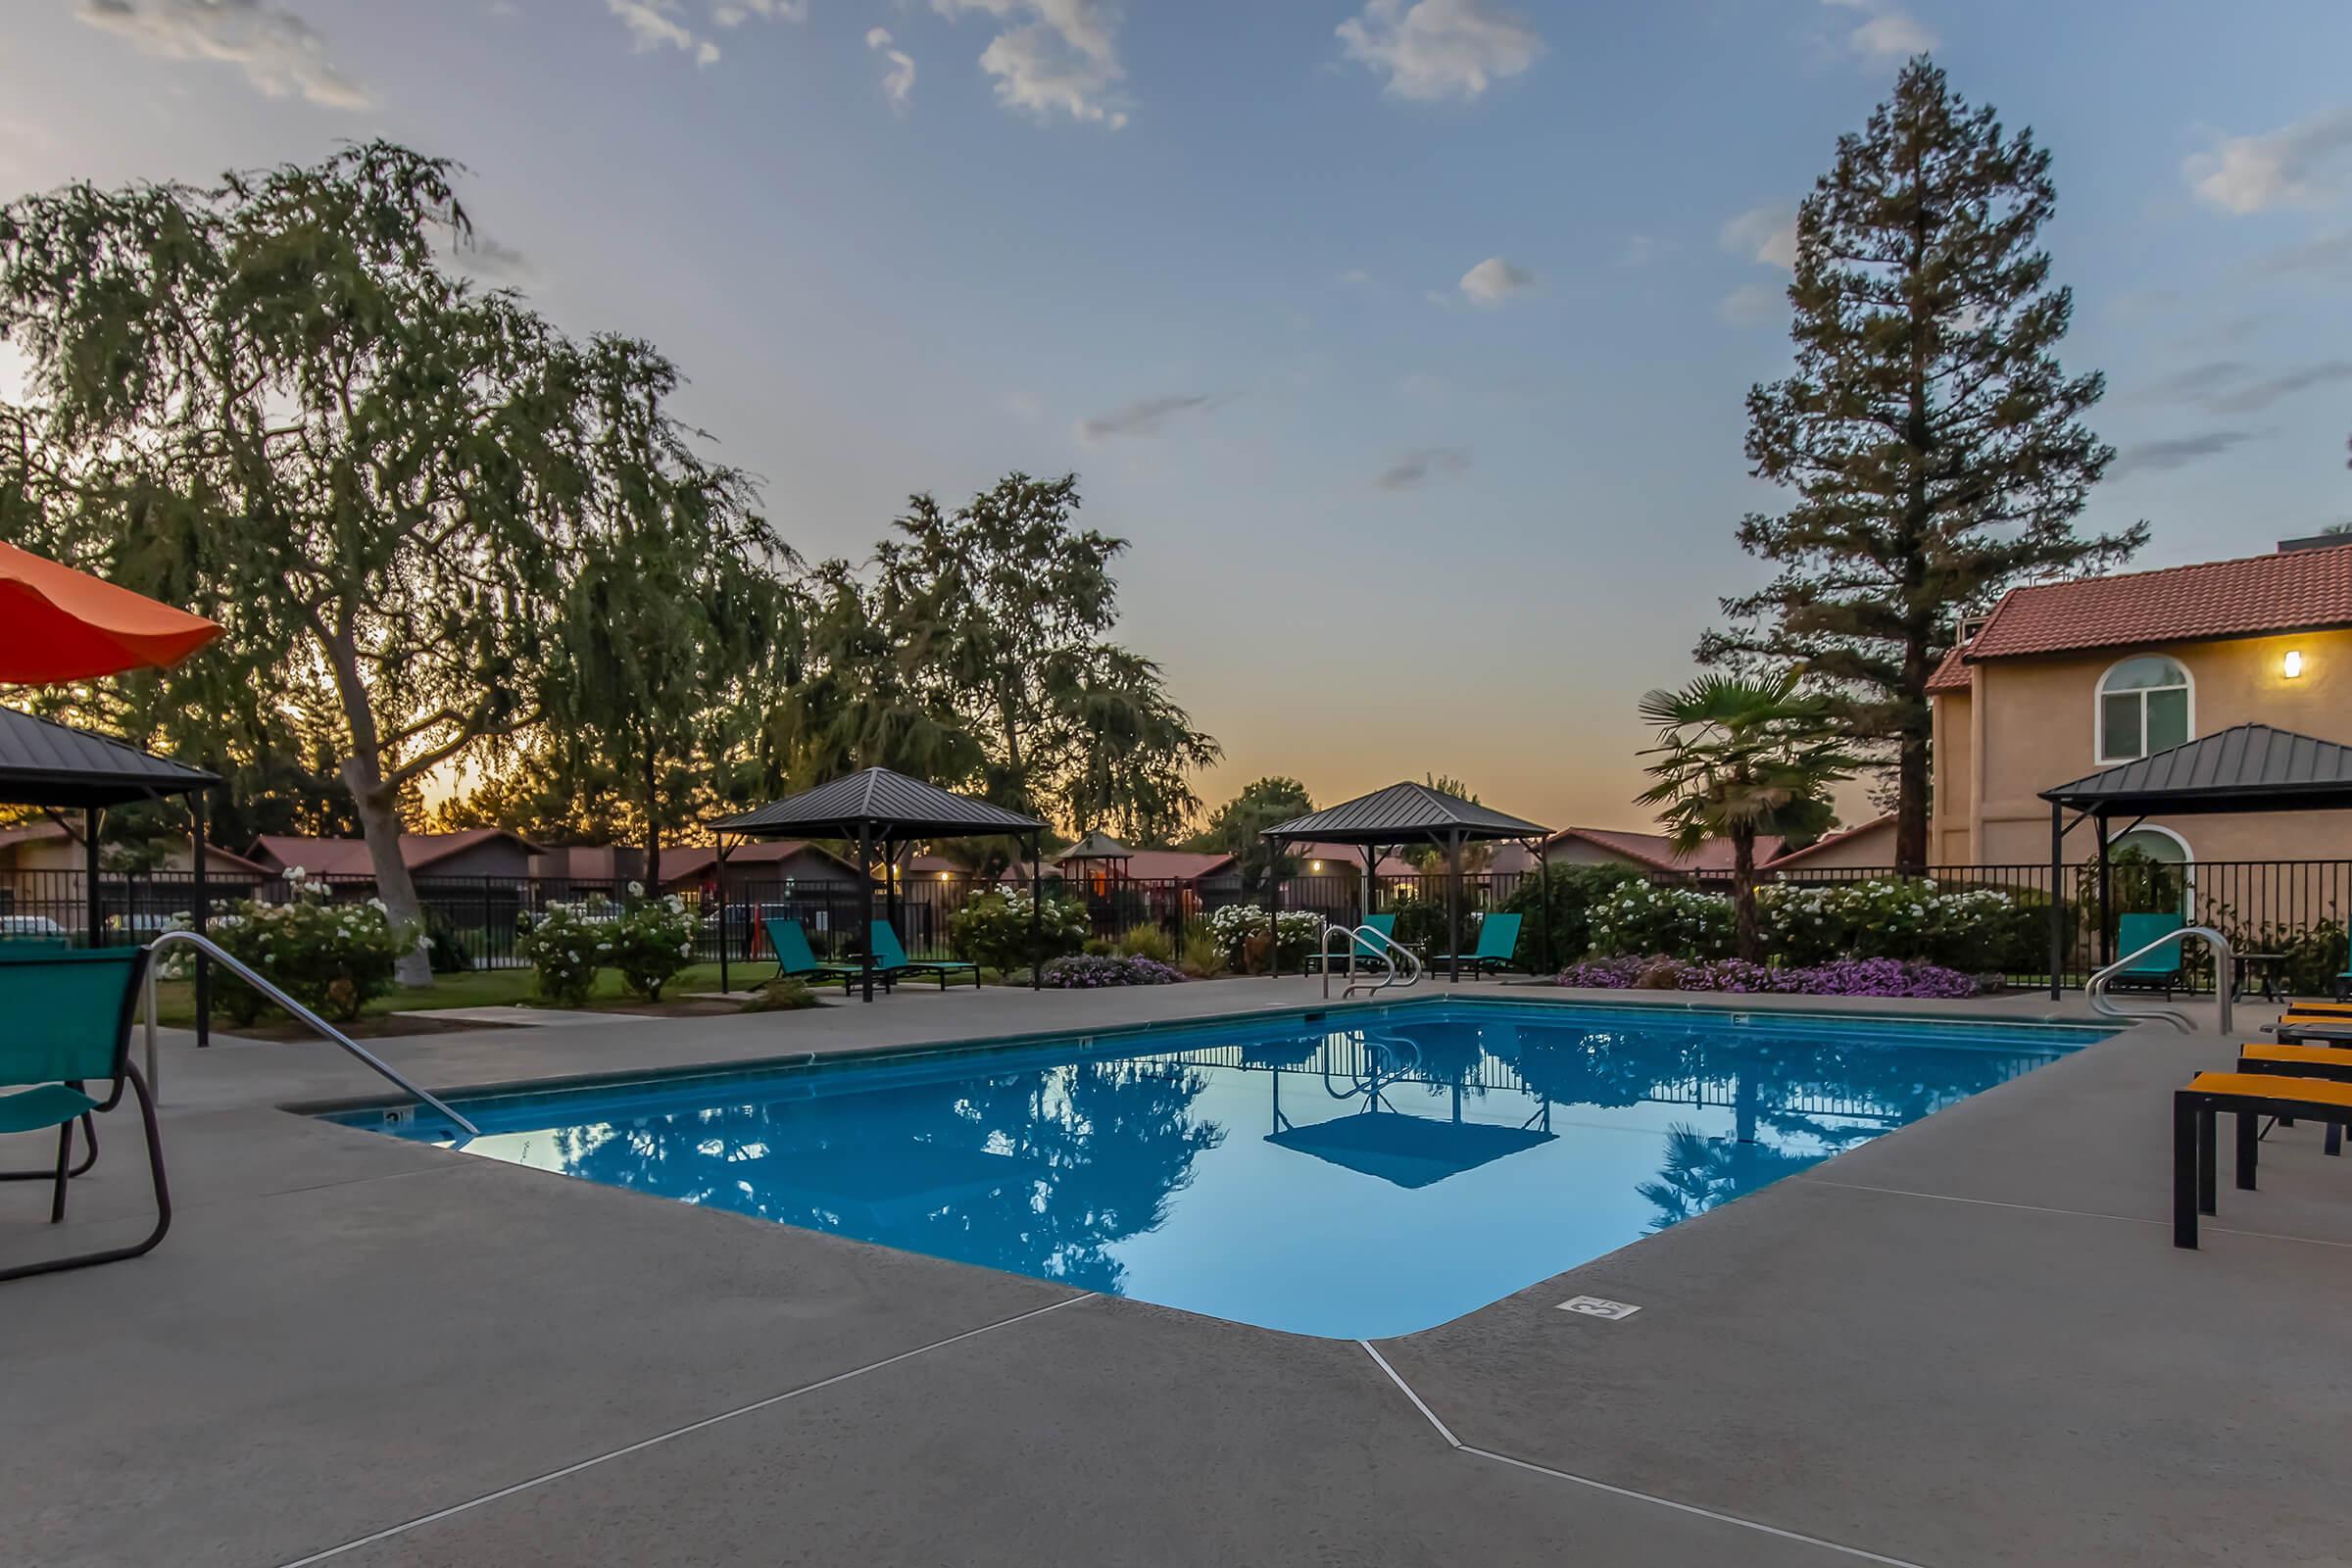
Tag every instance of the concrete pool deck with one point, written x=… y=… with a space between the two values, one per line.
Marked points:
x=1968 y=1342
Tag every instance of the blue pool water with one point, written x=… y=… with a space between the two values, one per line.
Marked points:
x=1359 y=1182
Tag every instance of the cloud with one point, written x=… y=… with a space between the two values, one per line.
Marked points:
x=2327 y=255
x=654 y=24
x=487 y=258
x=2256 y=396
x=1438 y=49
x=2176 y=452
x=1147 y=415
x=1355 y=278
x=1752 y=304
x=1417 y=468
x=898 y=82
x=1493 y=281
x=1764 y=234
x=281 y=54
x=1886 y=32
x=1059 y=56
x=2307 y=164
x=735 y=13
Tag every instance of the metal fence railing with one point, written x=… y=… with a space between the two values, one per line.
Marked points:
x=2293 y=910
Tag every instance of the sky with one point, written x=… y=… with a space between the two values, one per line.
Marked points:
x=1407 y=340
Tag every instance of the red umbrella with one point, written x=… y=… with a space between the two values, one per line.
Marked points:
x=58 y=624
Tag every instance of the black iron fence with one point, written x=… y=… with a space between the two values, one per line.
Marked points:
x=2294 y=911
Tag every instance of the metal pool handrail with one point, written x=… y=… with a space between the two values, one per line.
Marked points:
x=1404 y=965
x=300 y=1014
x=2097 y=989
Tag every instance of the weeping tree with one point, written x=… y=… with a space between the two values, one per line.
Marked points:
x=975 y=650
x=1933 y=445
x=269 y=400
x=1737 y=760
x=676 y=612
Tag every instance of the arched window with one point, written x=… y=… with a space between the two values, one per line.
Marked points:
x=2145 y=705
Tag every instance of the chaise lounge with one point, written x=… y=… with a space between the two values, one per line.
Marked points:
x=1497 y=941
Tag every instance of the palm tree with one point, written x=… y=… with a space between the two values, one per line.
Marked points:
x=1738 y=757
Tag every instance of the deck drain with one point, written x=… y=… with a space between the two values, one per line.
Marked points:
x=1594 y=1307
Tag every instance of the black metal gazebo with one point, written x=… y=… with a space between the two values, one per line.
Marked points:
x=1415 y=814
x=874 y=809
x=60 y=768
x=2244 y=768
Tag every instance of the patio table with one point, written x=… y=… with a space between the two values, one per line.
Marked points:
x=2272 y=967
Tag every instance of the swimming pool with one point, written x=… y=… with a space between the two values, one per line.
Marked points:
x=1359 y=1174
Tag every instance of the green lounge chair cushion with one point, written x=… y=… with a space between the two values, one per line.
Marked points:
x=1497 y=940
x=50 y=1105
x=790 y=944
x=889 y=954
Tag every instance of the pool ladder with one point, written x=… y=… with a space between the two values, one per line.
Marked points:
x=2225 y=973
x=1402 y=967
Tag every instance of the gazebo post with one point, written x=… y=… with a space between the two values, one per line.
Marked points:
x=198 y=809
x=1274 y=913
x=1543 y=904
x=2057 y=902
x=1037 y=914
x=2098 y=823
x=1371 y=884
x=865 y=905
x=1454 y=906
x=890 y=886
x=93 y=920
x=721 y=839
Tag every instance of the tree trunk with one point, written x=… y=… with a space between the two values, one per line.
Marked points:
x=1911 y=805
x=1748 y=936
x=653 y=827
x=379 y=825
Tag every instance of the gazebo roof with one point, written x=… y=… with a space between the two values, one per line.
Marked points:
x=2247 y=767
x=878 y=800
x=42 y=763
x=1404 y=1150
x=1096 y=846
x=1401 y=812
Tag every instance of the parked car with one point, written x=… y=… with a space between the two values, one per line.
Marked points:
x=30 y=928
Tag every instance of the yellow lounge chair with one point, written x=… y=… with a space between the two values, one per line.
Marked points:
x=2249 y=1097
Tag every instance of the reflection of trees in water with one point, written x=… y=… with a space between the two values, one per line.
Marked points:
x=1702 y=1173
x=1039 y=1173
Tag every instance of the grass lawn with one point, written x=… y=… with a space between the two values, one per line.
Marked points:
x=176 y=1000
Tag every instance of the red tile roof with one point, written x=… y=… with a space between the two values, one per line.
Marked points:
x=1830 y=839
x=694 y=863
x=1952 y=674
x=348 y=857
x=2291 y=590
x=1657 y=850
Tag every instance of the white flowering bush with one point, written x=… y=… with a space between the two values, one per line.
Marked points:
x=1910 y=918
x=334 y=958
x=1235 y=925
x=993 y=930
x=1642 y=918
x=652 y=941
x=566 y=944
x=1973 y=930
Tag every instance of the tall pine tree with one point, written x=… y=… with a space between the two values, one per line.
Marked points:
x=1933 y=443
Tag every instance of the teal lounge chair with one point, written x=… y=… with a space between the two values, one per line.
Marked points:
x=794 y=961
x=68 y=1022
x=890 y=957
x=1498 y=941
x=2160 y=970
x=1385 y=925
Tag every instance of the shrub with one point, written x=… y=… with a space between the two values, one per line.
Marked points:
x=444 y=949
x=1148 y=942
x=1089 y=974
x=993 y=930
x=782 y=994
x=1566 y=893
x=1841 y=977
x=1888 y=918
x=652 y=941
x=1203 y=956
x=1239 y=928
x=1099 y=948
x=565 y=944
x=1640 y=917
x=334 y=958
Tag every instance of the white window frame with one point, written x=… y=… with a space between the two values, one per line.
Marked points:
x=2098 y=705
x=2189 y=856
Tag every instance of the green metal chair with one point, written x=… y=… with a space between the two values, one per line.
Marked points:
x=1385 y=925
x=891 y=958
x=2161 y=970
x=1497 y=941
x=790 y=944
x=67 y=1022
